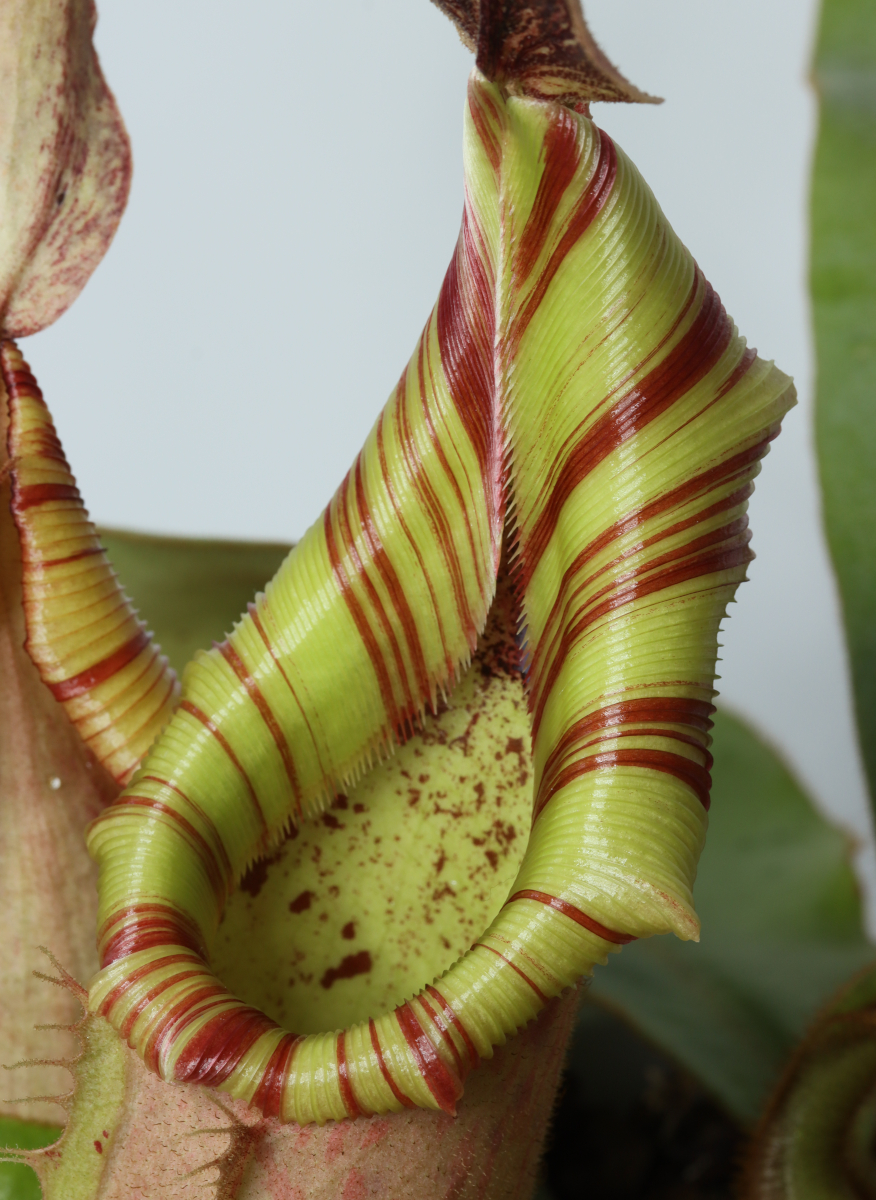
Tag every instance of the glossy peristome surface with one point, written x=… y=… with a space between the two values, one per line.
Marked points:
x=91 y=650
x=51 y=786
x=580 y=391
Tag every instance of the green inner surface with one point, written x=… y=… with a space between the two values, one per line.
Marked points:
x=368 y=903
x=387 y=888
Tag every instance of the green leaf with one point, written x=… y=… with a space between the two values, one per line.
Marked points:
x=190 y=591
x=781 y=929
x=17 y=1181
x=843 y=279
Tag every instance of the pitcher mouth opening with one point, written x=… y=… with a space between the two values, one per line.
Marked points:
x=363 y=906
x=327 y=950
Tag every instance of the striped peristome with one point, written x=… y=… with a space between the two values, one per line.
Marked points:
x=95 y=656
x=580 y=390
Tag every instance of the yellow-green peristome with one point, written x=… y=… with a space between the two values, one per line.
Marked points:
x=579 y=401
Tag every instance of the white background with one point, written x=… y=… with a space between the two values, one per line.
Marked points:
x=296 y=199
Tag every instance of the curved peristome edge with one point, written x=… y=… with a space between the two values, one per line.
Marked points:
x=92 y=652
x=543 y=50
x=580 y=387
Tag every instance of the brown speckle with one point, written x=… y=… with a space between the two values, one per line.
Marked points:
x=302 y=902
x=256 y=877
x=349 y=967
x=349 y=931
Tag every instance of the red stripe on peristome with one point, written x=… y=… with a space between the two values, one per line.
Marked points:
x=256 y=620
x=442 y=525
x=627 y=525
x=145 y=927
x=18 y=379
x=686 y=364
x=445 y=1088
x=164 y=678
x=38 y=565
x=398 y=514
x=694 y=567
x=739 y=372
x=218 y=881
x=216 y=1050
x=393 y=585
x=194 y=711
x=29 y=495
x=467 y=350
x=684 y=769
x=268 y=1096
x=384 y=1069
x=587 y=209
x=586 y=447
x=549 y=777
x=351 y=496
x=78 y=685
x=174 y=1018
x=574 y=914
x=667 y=710
x=611 y=720
x=514 y=967
x=561 y=161
x=32 y=454
x=118 y=993
x=699 y=485
x=687 y=739
x=219 y=850
x=484 y=129
x=483 y=323
x=452 y=1019
x=357 y=612
x=401 y=714
x=256 y=695
x=672 y=710
x=443 y=1029
x=344 y=1082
